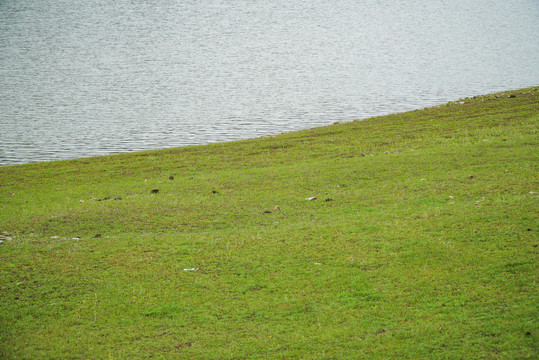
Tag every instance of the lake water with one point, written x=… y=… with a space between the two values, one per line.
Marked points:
x=81 y=78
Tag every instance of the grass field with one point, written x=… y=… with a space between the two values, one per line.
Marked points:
x=421 y=244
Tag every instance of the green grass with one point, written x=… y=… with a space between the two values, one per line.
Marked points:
x=421 y=244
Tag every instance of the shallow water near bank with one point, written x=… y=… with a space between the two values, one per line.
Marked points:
x=81 y=79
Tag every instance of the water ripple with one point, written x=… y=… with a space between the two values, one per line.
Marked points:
x=92 y=78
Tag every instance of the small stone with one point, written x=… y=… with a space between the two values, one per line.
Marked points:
x=276 y=208
x=471 y=176
x=171 y=177
x=1 y=242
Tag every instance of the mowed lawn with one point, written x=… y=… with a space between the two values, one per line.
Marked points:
x=409 y=236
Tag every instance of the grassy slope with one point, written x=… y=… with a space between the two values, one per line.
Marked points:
x=409 y=257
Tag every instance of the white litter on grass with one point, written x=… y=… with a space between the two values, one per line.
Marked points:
x=191 y=269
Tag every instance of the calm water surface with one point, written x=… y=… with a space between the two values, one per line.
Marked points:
x=83 y=78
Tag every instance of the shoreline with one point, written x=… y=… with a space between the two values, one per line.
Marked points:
x=67 y=157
